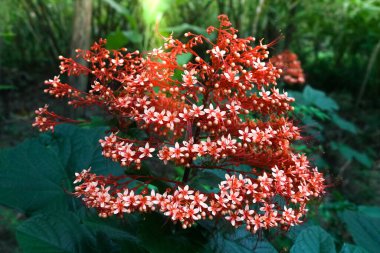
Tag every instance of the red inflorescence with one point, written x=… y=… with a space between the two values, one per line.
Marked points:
x=217 y=112
x=291 y=66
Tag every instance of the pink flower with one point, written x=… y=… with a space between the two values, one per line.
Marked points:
x=146 y=151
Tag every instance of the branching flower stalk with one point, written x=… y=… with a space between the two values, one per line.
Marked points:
x=218 y=112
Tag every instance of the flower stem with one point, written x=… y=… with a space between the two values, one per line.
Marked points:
x=186 y=175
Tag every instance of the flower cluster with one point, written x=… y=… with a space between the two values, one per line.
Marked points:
x=219 y=111
x=291 y=66
x=242 y=200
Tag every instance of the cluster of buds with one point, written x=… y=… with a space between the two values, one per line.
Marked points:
x=219 y=111
x=46 y=120
x=291 y=66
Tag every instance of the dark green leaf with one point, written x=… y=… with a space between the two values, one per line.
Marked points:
x=32 y=178
x=54 y=233
x=319 y=99
x=238 y=241
x=364 y=229
x=116 y=40
x=79 y=149
x=313 y=240
x=372 y=211
x=344 y=124
x=208 y=179
x=350 y=153
x=119 y=39
x=45 y=168
x=120 y=235
x=158 y=234
x=349 y=248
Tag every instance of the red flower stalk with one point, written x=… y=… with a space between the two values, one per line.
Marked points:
x=291 y=66
x=223 y=111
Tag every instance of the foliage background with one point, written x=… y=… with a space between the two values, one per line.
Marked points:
x=337 y=41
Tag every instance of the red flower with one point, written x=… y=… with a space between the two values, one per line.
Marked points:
x=219 y=114
x=292 y=72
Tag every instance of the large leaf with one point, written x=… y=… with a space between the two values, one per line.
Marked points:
x=79 y=149
x=365 y=229
x=349 y=248
x=313 y=240
x=119 y=39
x=319 y=99
x=64 y=232
x=114 y=234
x=32 y=178
x=372 y=211
x=114 y=227
x=55 y=233
x=35 y=174
x=350 y=153
x=344 y=124
x=159 y=234
x=238 y=241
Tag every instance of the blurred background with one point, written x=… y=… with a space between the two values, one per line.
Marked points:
x=337 y=43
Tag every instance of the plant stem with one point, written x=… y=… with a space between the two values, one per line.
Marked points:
x=186 y=175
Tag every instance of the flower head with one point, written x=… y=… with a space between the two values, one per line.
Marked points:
x=220 y=111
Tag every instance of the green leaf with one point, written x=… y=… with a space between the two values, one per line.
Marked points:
x=44 y=168
x=207 y=180
x=363 y=159
x=116 y=6
x=184 y=58
x=349 y=248
x=313 y=240
x=372 y=211
x=54 y=233
x=185 y=28
x=238 y=241
x=133 y=36
x=344 y=124
x=79 y=149
x=364 y=229
x=120 y=236
x=119 y=39
x=350 y=153
x=32 y=178
x=319 y=99
x=160 y=235
x=65 y=232
x=116 y=40
x=295 y=231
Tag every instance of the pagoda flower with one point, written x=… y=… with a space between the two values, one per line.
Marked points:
x=222 y=112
